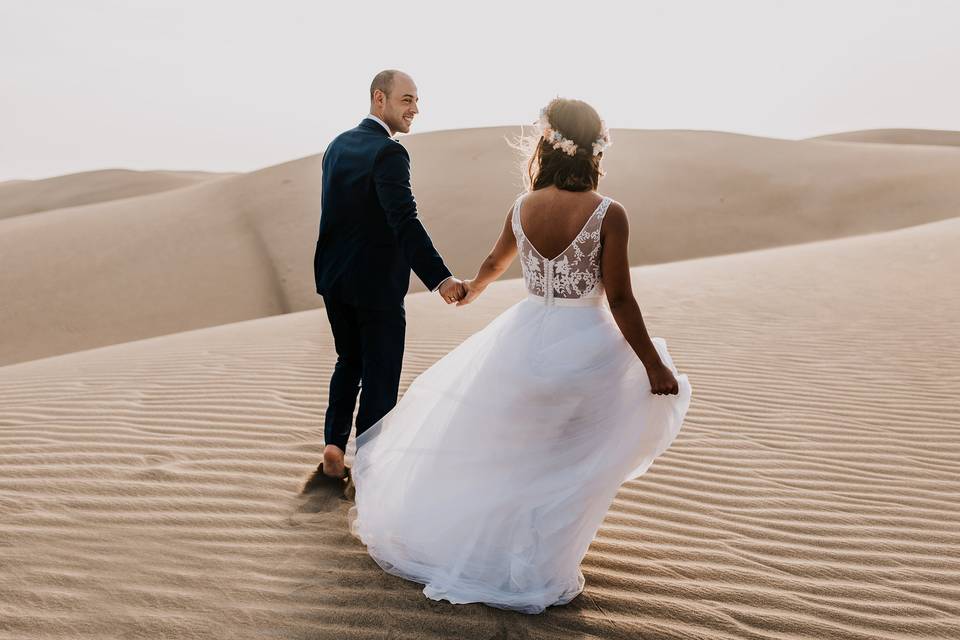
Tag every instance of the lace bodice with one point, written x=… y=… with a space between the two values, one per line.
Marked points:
x=572 y=275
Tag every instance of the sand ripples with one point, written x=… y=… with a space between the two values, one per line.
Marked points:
x=151 y=488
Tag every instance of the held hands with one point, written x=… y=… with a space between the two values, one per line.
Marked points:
x=452 y=290
x=460 y=291
x=472 y=291
x=662 y=381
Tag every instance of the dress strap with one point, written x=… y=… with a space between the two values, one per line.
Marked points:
x=602 y=209
x=515 y=217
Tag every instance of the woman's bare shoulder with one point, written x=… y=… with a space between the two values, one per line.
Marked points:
x=616 y=214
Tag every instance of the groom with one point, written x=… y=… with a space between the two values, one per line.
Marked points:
x=370 y=239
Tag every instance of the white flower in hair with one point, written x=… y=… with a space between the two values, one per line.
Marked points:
x=603 y=142
x=554 y=137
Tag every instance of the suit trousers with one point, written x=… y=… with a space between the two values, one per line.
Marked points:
x=369 y=344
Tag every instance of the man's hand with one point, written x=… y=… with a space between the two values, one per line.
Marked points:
x=452 y=290
x=472 y=291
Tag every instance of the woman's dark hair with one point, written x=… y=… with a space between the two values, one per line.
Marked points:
x=577 y=121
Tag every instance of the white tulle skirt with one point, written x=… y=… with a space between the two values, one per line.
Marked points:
x=489 y=479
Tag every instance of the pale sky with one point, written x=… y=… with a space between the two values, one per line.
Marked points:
x=238 y=85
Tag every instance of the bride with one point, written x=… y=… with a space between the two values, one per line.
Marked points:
x=489 y=479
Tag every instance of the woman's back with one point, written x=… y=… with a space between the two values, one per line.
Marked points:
x=551 y=218
x=560 y=254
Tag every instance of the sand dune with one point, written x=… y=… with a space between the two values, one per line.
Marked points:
x=203 y=255
x=150 y=488
x=898 y=136
x=19 y=197
x=241 y=247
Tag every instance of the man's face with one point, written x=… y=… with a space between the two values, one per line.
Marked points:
x=400 y=107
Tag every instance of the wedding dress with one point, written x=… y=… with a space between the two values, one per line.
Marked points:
x=489 y=479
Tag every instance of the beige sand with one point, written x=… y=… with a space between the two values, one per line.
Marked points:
x=18 y=197
x=241 y=247
x=150 y=489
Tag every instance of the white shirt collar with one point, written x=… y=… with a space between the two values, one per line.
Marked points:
x=382 y=123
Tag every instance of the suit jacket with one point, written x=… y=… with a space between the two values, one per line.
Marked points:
x=370 y=236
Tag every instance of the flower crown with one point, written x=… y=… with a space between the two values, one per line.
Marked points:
x=568 y=146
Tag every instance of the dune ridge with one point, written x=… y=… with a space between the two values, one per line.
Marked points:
x=22 y=197
x=241 y=247
x=934 y=137
x=151 y=488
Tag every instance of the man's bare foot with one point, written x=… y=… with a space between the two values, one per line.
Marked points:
x=333 y=461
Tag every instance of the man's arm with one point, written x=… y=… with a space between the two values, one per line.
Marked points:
x=391 y=176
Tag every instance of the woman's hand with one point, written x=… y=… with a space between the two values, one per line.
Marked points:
x=472 y=291
x=662 y=380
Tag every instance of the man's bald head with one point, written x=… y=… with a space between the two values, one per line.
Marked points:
x=383 y=81
x=393 y=99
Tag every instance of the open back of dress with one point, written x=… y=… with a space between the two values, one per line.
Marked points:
x=572 y=275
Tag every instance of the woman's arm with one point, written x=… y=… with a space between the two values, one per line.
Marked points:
x=495 y=263
x=615 y=273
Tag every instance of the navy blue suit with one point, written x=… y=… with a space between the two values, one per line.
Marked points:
x=370 y=239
